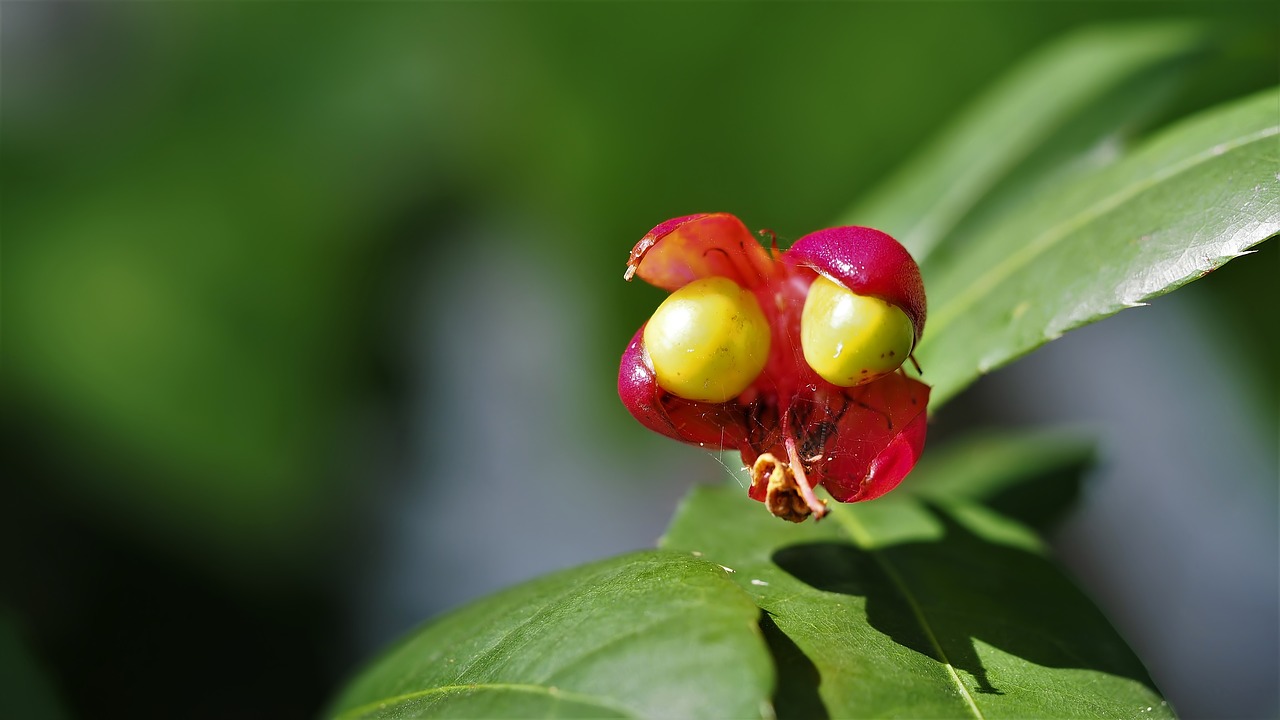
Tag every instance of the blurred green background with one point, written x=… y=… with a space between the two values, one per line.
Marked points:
x=312 y=312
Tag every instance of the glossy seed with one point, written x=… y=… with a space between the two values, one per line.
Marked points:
x=708 y=340
x=851 y=339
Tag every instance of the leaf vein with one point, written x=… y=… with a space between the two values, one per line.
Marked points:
x=1056 y=233
x=849 y=522
x=555 y=693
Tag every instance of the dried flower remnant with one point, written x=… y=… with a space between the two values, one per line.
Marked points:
x=791 y=358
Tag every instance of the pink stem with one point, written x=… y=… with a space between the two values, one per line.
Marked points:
x=797 y=469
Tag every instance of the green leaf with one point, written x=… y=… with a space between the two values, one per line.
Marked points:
x=611 y=639
x=1181 y=205
x=906 y=608
x=1032 y=477
x=1061 y=101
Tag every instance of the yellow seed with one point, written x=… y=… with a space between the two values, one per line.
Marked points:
x=708 y=340
x=850 y=339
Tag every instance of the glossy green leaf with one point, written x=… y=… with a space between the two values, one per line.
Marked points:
x=1065 y=98
x=905 y=608
x=611 y=639
x=1181 y=205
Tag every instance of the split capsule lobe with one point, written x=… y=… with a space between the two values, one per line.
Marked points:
x=708 y=341
x=851 y=339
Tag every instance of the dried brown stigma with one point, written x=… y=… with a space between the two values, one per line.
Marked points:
x=787 y=492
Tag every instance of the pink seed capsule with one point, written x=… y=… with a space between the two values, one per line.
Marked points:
x=795 y=360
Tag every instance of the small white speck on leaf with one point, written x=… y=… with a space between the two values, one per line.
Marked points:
x=695 y=553
x=758 y=582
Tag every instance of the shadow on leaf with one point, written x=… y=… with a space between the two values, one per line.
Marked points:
x=940 y=597
x=798 y=678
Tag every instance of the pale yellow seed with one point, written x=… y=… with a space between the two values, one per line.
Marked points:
x=851 y=339
x=708 y=340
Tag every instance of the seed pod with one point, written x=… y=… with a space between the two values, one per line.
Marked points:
x=762 y=351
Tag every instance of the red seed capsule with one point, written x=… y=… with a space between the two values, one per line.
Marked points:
x=803 y=415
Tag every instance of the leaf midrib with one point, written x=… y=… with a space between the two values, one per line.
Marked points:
x=850 y=523
x=1055 y=234
x=498 y=687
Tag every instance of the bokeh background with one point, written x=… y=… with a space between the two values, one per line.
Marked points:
x=312 y=316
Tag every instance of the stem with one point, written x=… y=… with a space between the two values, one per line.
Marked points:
x=818 y=507
x=912 y=358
